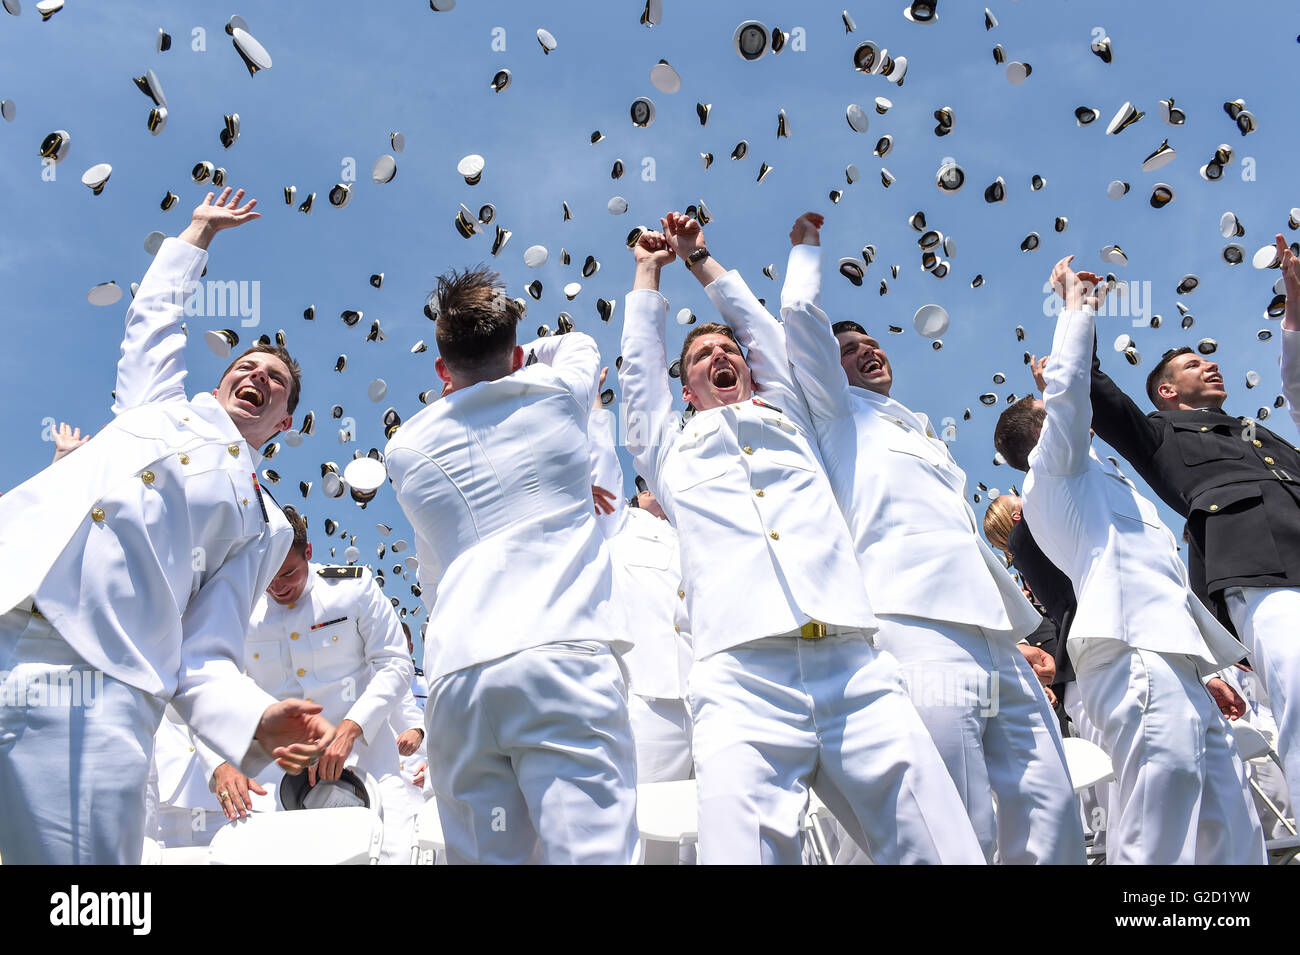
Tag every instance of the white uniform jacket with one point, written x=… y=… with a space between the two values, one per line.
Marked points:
x=1290 y=366
x=1091 y=522
x=763 y=544
x=147 y=547
x=496 y=482
x=184 y=765
x=341 y=645
x=647 y=578
x=900 y=489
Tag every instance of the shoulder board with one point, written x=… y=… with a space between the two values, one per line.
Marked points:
x=340 y=573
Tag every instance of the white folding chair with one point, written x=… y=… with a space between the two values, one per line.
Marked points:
x=186 y=855
x=1088 y=765
x=350 y=835
x=668 y=812
x=151 y=854
x=429 y=846
x=815 y=823
x=1254 y=745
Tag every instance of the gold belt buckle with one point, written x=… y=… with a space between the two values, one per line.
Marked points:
x=812 y=630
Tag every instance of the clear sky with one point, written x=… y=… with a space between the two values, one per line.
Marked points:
x=345 y=76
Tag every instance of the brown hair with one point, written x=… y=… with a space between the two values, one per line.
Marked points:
x=1017 y=430
x=708 y=328
x=475 y=319
x=299 y=525
x=1160 y=373
x=295 y=372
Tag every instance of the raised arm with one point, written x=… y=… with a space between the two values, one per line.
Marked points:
x=1063 y=445
x=803 y=271
x=644 y=373
x=1117 y=419
x=1290 y=361
x=756 y=330
x=813 y=349
x=575 y=358
x=152 y=364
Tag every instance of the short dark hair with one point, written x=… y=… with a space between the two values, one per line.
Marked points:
x=299 y=525
x=1160 y=373
x=476 y=319
x=708 y=328
x=847 y=326
x=282 y=353
x=1017 y=431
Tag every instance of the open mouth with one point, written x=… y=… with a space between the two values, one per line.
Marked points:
x=250 y=395
x=1215 y=379
x=871 y=367
x=724 y=377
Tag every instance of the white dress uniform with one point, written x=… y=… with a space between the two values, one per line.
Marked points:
x=1265 y=617
x=767 y=557
x=530 y=749
x=948 y=609
x=188 y=811
x=340 y=644
x=649 y=590
x=1140 y=641
x=144 y=552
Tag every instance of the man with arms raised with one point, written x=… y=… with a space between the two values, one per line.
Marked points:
x=1238 y=485
x=786 y=692
x=135 y=561
x=948 y=610
x=1141 y=641
x=530 y=749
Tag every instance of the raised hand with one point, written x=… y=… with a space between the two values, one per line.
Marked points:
x=1078 y=289
x=1037 y=367
x=67 y=439
x=210 y=216
x=683 y=233
x=807 y=229
x=651 y=253
x=653 y=249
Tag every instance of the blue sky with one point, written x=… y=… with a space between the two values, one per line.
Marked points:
x=346 y=75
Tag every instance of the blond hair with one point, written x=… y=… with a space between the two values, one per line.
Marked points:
x=998 y=521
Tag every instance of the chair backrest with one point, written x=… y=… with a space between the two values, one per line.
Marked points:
x=428 y=839
x=1251 y=743
x=345 y=836
x=1087 y=763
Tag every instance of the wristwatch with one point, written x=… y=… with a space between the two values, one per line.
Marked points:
x=696 y=257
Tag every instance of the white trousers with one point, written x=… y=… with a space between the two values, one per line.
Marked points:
x=531 y=758
x=990 y=721
x=1268 y=623
x=1095 y=801
x=1181 y=793
x=75 y=751
x=780 y=715
x=402 y=802
x=662 y=731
